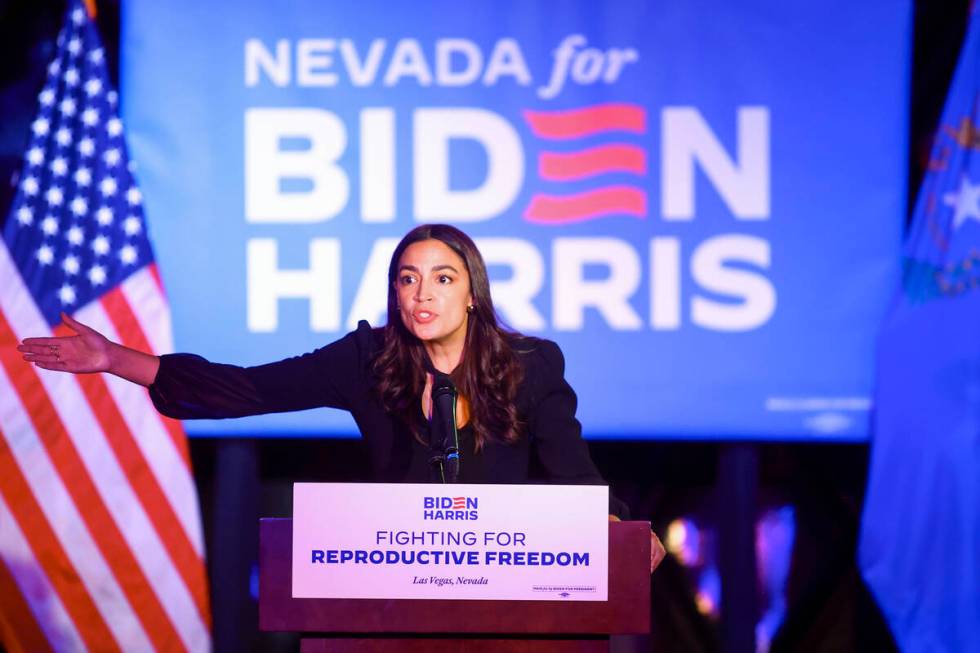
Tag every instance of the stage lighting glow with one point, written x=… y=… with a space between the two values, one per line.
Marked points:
x=708 y=595
x=706 y=605
x=684 y=541
x=676 y=535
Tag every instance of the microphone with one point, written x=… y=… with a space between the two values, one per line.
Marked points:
x=443 y=437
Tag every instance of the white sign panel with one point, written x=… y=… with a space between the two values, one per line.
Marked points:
x=420 y=541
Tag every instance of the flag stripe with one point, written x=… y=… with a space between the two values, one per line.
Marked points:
x=8 y=639
x=155 y=272
x=19 y=630
x=142 y=322
x=88 y=498
x=60 y=541
x=44 y=542
x=140 y=443
x=145 y=296
x=131 y=334
x=144 y=293
x=169 y=561
x=35 y=586
x=158 y=449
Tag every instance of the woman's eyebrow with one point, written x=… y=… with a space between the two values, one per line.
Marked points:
x=435 y=268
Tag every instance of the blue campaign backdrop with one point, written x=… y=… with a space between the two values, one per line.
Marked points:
x=702 y=203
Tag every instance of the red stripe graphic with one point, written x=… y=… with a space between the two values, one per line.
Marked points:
x=612 y=200
x=19 y=630
x=578 y=123
x=101 y=525
x=569 y=166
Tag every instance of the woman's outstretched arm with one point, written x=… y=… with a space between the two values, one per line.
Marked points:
x=185 y=386
x=89 y=351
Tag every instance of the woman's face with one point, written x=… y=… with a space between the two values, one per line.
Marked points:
x=433 y=289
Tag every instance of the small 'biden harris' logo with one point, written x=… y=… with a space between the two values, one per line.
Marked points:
x=450 y=508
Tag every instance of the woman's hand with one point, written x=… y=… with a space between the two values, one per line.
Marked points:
x=657 y=551
x=89 y=351
x=85 y=352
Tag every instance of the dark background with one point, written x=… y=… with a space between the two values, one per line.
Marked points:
x=724 y=485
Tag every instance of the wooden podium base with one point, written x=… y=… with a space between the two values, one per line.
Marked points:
x=447 y=645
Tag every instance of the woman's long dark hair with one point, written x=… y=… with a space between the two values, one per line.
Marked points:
x=489 y=371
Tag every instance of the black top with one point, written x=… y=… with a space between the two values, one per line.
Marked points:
x=339 y=376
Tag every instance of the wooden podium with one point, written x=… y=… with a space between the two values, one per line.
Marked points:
x=457 y=625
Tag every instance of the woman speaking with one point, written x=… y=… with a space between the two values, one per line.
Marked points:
x=514 y=412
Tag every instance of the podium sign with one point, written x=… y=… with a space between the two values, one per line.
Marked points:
x=420 y=541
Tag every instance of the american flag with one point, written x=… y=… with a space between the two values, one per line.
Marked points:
x=100 y=538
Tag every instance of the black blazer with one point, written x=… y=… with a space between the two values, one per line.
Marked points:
x=339 y=376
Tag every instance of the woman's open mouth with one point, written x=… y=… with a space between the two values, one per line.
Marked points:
x=423 y=316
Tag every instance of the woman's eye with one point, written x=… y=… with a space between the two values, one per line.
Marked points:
x=445 y=278
x=407 y=280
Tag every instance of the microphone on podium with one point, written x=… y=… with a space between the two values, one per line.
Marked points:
x=443 y=436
